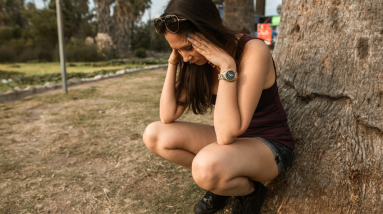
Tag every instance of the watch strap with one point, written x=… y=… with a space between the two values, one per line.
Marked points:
x=221 y=76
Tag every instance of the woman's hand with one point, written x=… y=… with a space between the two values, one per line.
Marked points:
x=211 y=52
x=174 y=57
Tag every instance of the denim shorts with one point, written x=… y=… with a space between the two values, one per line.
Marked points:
x=283 y=154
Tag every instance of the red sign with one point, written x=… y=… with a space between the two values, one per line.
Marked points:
x=264 y=32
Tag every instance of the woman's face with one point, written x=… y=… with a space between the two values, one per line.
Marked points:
x=185 y=49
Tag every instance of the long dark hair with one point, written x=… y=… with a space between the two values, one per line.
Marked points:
x=196 y=81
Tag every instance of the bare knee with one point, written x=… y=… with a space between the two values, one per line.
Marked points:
x=207 y=171
x=151 y=136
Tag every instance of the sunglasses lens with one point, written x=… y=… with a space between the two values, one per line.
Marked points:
x=158 y=24
x=171 y=23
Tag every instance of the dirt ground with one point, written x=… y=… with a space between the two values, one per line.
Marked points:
x=83 y=152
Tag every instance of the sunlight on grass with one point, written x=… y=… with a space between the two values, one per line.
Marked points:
x=54 y=67
x=83 y=152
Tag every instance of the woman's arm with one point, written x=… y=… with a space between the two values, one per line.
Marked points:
x=169 y=110
x=237 y=101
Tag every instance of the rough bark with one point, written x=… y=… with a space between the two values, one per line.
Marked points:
x=330 y=63
x=104 y=20
x=126 y=13
x=239 y=15
x=123 y=16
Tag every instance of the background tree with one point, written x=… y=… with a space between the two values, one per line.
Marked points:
x=126 y=14
x=239 y=15
x=154 y=41
x=104 y=21
x=122 y=17
x=329 y=58
x=10 y=12
x=260 y=7
x=29 y=33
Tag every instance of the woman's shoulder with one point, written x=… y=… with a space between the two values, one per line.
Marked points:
x=254 y=43
x=255 y=47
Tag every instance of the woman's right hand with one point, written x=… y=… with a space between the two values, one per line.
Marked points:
x=175 y=57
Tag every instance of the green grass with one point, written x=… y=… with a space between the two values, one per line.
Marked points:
x=73 y=67
x=54 y=67
x=31 y=74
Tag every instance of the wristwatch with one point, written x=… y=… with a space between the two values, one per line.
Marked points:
x=228 y=75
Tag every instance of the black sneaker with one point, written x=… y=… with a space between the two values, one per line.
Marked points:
x=210 y=203
x=252 y=203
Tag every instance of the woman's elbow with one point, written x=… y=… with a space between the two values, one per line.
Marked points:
x=225 y=140
x=166 y=121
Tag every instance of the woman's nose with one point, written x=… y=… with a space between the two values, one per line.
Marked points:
x=186 y=57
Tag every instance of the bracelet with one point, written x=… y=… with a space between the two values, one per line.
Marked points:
x=172 y=63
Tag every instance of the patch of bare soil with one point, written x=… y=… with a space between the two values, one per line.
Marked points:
x=83 y=153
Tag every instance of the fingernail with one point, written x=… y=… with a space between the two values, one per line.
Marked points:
x=189 y=37
x=193 y=44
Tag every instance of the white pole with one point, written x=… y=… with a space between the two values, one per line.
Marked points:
x=61 y=45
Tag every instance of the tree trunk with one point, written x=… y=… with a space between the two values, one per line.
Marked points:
x=122 y=18
x=239 y=15
x=329 y=58
x=104 y=21
x=260 y=6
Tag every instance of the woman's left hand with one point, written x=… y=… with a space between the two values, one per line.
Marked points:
x=211 y=52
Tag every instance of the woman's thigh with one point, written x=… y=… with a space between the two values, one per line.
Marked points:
x=191 y=137
x=245 y=157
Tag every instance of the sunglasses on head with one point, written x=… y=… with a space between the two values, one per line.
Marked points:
x=171 y=22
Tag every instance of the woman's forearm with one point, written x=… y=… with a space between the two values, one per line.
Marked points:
x=168 y=101
x=227 y=117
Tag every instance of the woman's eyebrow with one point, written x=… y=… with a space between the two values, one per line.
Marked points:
x=185 y=46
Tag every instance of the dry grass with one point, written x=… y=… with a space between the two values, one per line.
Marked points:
x=83 y=152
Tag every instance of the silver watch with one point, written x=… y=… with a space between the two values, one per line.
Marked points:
x=228 y=75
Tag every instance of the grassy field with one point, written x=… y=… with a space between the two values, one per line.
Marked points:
x=83 y=152
x=23 y=75
x=54 y=67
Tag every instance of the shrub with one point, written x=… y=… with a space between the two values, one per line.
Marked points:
x=83 y=53
x=7 y=54
x=36 y=54
x=9 y=33
x=140 y=53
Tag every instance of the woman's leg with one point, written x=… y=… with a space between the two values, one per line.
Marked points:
x=178 y=142
x=230 y=169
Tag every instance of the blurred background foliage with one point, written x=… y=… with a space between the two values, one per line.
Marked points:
x=29 y=34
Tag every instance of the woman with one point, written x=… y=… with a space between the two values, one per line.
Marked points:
x=250 y=141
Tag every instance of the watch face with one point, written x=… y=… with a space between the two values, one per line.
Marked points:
x=230 y=75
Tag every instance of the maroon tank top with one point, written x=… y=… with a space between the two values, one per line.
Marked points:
x=269 y=120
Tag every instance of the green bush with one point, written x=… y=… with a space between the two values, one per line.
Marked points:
x=7 y=54
x=140 y=53
x=36 y=54
x=85 y=53
x=8 y=33
x=77 y=51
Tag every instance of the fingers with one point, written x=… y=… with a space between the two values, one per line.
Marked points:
x=201 y=37
x=200 y=50
x=199 y=40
